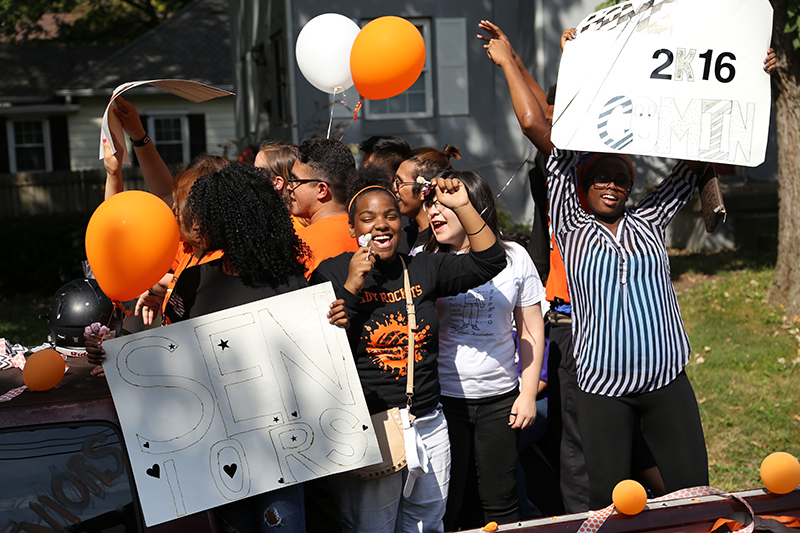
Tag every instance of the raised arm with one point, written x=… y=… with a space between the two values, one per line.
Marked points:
x=495 y=33
x=154 y=171
x=113 y=164
x=530 y=113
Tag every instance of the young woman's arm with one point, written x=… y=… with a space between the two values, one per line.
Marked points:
x=452 y=194
x=530 y=113
x=530 y=332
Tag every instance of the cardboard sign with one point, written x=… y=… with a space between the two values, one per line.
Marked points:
x=668 y=78
x=237 y=403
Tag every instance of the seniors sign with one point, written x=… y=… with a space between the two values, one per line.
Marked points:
x=238 y=402
x=668 y=78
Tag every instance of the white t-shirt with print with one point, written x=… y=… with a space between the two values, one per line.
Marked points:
x=477 y=353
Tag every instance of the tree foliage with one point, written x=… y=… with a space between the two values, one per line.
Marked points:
x=82 y=22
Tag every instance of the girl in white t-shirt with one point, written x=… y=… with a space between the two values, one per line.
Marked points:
x=488 y=393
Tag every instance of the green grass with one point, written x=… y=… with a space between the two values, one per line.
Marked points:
x=19 y=319
x=745 y=364
x=744 y=367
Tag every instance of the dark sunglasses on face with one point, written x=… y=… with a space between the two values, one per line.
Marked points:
x=604 y=182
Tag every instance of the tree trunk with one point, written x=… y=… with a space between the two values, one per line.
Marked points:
x=786 y=286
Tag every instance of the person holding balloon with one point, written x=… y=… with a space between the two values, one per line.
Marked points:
x=232 y=210
x=190 y=252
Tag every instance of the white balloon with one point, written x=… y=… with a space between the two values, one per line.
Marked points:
x=323 y=51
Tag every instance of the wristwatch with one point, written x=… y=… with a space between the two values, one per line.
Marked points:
x=141 y=142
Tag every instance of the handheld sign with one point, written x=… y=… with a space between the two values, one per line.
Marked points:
x=668 y=78
x=239 y=402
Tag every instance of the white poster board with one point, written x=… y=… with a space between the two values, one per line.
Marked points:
x=190 y=90
x=237 y=403
x=668 y=78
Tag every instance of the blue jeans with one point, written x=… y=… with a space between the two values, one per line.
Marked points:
x=378 y=505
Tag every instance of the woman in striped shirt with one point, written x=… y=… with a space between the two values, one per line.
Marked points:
x=630 y=344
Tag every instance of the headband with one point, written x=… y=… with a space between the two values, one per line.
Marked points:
x=353 y=199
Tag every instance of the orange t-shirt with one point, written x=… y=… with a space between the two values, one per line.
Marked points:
x=327 y=237
x=297 y=224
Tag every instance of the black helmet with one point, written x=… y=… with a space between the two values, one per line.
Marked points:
x=76 y=305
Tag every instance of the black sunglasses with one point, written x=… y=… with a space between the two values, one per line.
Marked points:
x=604 y=182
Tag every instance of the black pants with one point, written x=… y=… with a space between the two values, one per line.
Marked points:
x=562 y=420
x=670 y=422
x=480 y=434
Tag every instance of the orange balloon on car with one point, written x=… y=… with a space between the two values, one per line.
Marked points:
x=629 y=497
x=780 y=472
x=130 y=243
x=387 y=57
x=43 y=370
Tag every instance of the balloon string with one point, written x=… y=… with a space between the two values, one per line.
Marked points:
x=125 y=314
x=330 y=117
x=355 y=116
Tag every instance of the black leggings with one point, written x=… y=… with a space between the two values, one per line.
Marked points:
x=670 y=423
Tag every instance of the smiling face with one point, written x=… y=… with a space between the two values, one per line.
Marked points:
x=377 y=214
x=410 y=203
x=608 y=204
x=445 y=226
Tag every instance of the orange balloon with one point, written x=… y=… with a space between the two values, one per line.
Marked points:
x=43 y=370
x=780 y=472
x=629 y=497
x=130 y=243
x=387 y=57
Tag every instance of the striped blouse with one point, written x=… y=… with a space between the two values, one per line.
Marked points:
x=628 y=331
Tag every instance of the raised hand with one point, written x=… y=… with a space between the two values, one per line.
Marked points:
x=568 y=35
x=770 y=61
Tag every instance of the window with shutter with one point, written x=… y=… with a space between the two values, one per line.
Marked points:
x=170 y=133
x=29 y=145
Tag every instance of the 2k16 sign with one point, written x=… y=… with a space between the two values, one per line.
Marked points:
x=668 y=78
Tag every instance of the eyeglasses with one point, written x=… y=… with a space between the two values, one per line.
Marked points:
x=399 y=182
x=604 y=182
x=427 y=204
x=292 y=184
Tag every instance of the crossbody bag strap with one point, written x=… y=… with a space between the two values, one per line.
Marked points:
x=412 y=328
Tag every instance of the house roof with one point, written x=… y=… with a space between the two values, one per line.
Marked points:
x=32 y=73
x=193 y=44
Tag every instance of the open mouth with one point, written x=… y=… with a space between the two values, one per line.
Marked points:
x=609 y=199
x=382 y=241
x=437 y=225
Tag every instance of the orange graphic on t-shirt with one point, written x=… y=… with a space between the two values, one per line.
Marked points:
x=387 y=343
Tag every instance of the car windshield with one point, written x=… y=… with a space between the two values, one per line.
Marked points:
x=65 y=476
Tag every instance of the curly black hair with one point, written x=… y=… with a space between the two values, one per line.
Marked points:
x=330 y=161
x=369 y=176
x=240 y=213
